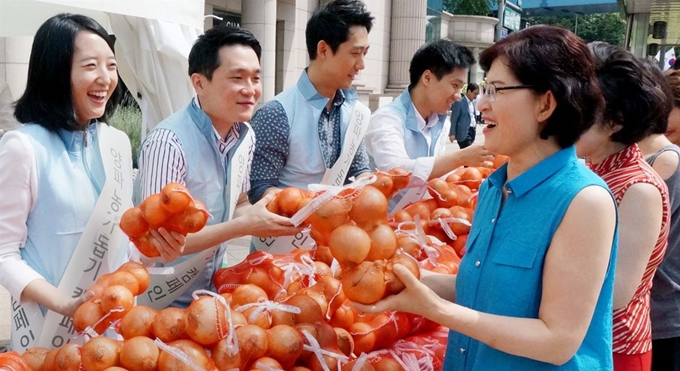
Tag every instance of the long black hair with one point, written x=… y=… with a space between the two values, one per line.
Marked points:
x=48 y=98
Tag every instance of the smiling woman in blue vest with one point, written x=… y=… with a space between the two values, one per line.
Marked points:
x=534 y=289
x=66 y=176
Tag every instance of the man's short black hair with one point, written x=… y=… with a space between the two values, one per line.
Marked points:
x=48 y=98
x=204 y=57
x=441 y=57
x=332 y=22
x=472 y=87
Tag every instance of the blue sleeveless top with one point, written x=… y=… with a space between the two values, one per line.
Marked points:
x=502 y=270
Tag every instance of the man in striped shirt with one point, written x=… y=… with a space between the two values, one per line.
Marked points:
x=208 y=146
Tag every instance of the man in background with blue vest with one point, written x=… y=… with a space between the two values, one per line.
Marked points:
x=208 y=147
x=303 y=130
x=405 y=133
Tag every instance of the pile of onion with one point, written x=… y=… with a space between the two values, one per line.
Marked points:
x=114 y=295
x=173 y=209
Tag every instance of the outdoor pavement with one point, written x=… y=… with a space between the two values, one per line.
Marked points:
x=237 y=251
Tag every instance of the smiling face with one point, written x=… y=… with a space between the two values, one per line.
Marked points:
x=442 y=93
x=93 y=76
x=512 y=119
x=232 y=93
x=342 y=66
x=673 y=131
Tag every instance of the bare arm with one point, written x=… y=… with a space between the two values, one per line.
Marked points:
x=666 y=164
x=43 y=293
x=571 y=288
x=640 y=214
x=474 y=155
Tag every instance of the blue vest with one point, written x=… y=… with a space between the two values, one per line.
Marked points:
x=303 y=105
x=206 y=179
x=414 y=139
x=502 y=270
x=70 y=177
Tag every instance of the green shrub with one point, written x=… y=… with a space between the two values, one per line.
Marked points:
x=129 y=120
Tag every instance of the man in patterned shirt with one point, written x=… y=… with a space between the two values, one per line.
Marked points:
x=208 y=147
x=302 y=131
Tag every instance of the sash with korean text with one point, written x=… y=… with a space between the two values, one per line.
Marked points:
x=169 y=283
x=334 y=176
x=99 y=249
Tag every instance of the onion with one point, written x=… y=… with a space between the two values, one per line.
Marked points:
x=12 y=361
x=383 y=243
x=289 y=200
x=207 y=320
x=175 y=197
x=225 y=361
x=132 y=222
x=369 y=208
x=49 y=363
x=68 y=358
x=35 y=357
x=138 y=322
x=194 y=352
x=246 y=294
x=364 y=337
x=345 y=341
x=140 y=273
x=393 y=283
x=126 y=279
x=349 y=244
x=170 y=325
x=117 y=297
x=285 y=345
x=252 y=342
x=99 y=354
x=387 y=364
x=89 y=313
x=365 y=282
x=140 y=354
x=383 y=183
x=154 y=212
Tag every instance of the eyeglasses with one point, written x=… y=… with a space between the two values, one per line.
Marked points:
x=491 y=89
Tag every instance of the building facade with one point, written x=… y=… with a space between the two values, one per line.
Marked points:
x=400 y=28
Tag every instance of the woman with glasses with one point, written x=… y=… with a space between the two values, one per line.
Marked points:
x=534 y=289
x=633 y=102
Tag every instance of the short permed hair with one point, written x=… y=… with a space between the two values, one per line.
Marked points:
x=553 y=59
x=48 y=98
x=633 y=98
x=441 y=57
x=204 y=57
x=332 y=22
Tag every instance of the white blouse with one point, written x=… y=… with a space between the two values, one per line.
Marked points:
x=19 y=192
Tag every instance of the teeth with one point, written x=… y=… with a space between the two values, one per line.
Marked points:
x=98 y=94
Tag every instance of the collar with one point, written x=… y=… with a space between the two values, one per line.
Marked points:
x=318 y=101
x=536 y=175
x=420 y=122
x=617 y=160
x=423 y=124
x=74 y=140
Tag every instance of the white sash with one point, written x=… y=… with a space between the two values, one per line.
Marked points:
x=99 y=246
x=412 y=195
x=169 y=283
x=334 y=176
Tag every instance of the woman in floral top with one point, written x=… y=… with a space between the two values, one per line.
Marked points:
x=633 y=101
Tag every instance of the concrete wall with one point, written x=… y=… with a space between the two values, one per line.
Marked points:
x=14 y=55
